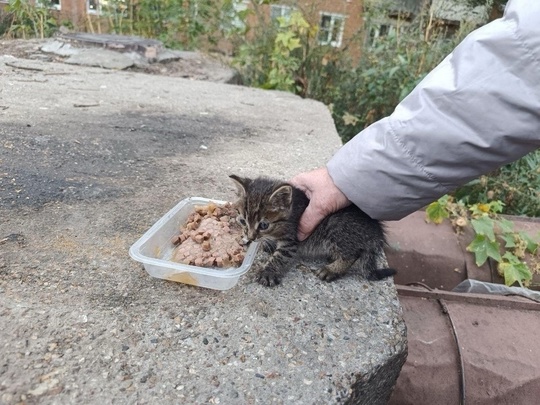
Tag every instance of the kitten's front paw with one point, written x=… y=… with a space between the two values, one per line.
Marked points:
x=268 y=278
x=326 y=274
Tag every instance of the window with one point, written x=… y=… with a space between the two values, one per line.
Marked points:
x=280 y=11
x=379 y=31
x=92 y=6
x=104 y=6
x=331 y=29
x=54 y=4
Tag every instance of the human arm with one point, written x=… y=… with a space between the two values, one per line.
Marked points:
x=478 y=110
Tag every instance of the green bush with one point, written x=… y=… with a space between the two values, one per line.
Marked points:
x=28 y=20
x=177 y=23
x=277 y=56
x=517 y=185
x=285 y=54
x=358 y=93
x=387 y=72
x=184 y=24
x=494 y=237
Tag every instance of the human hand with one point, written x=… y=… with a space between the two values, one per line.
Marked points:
x=324 y=199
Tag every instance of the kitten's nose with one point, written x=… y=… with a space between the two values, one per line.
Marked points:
x=252 y=235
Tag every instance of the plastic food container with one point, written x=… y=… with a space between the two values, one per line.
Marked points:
x=154 y=249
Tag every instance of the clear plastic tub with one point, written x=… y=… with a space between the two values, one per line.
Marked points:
x=154 y=249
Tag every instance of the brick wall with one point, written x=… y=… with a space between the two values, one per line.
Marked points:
x=314 y=10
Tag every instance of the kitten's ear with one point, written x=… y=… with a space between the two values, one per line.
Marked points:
x=240 y=184
x=281 y=198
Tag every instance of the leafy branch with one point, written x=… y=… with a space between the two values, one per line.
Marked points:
x=495 y=236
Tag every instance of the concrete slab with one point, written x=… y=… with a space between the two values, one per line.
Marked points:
x=186 y=64
x=102 y=58
x=90 y=159
x=169 y=55
x=149 y=48
x=59 y=48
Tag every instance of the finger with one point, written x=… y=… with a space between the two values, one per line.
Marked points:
x=300 y=184
x=308 y=222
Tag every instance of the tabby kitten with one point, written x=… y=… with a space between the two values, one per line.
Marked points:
x=269 y=211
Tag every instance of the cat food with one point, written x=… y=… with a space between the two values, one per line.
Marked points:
x=210 y=237
x=154 y=250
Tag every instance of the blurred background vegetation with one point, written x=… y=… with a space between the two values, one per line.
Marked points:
x=284 y=53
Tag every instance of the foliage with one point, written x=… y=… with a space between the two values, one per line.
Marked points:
x=357 y=93
x=390 y=67
x=284 y=53
x=284 y=64
x=495 y=237
x=28 y=20
x=517 y=185
x=185 y=24
x=178 y=23
x=280 y=55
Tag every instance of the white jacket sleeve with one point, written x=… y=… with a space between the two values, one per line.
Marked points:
x=478 y=110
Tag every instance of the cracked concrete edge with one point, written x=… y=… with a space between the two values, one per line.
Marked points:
x=377 y=388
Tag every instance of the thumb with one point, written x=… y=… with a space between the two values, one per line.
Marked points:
x=308 y=222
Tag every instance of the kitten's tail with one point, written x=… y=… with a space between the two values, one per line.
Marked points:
x=380 y=274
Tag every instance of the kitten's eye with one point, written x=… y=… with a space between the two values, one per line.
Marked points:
x=263 y=225
x=241 y=220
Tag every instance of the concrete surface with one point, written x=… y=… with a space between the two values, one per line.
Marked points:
x=124 y=52
x=186 y=64
x=103 y=58
x=89 y=160
x=149 y=48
